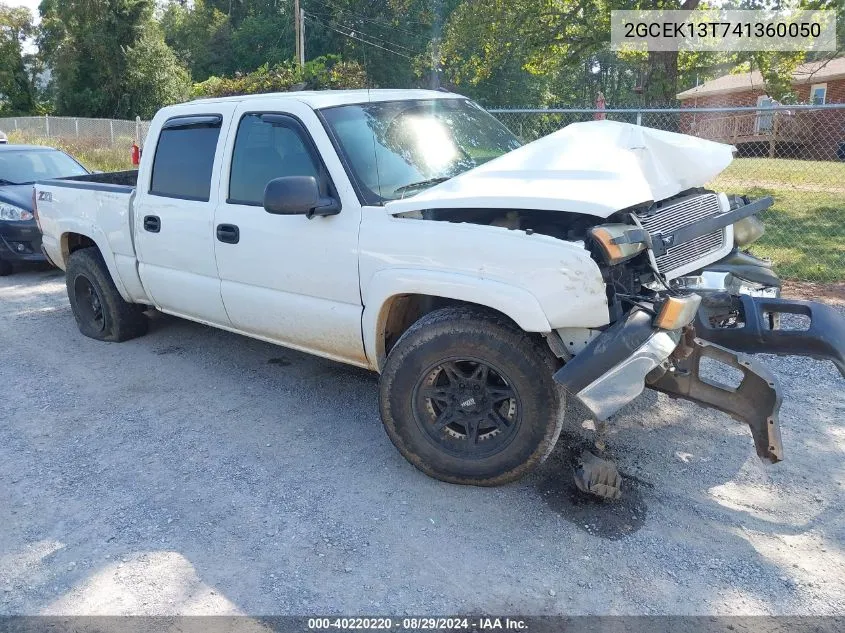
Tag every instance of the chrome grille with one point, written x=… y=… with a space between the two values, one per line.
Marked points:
x=674 y=216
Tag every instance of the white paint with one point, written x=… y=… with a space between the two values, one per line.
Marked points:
x=322 y=285
x=597 y=168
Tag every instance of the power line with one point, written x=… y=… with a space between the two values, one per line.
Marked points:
x=330 y=5
x=377 y=38
x=309 y=16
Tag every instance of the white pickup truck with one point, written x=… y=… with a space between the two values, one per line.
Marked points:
x=409 y=232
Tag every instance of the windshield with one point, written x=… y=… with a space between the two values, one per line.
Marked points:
x=396 y=149
x=25 y=166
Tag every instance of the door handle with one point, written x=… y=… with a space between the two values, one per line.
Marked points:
x=228 y=233
x=152 y=223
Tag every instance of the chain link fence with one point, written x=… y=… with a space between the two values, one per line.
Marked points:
x=103 y=144
x=795 y=154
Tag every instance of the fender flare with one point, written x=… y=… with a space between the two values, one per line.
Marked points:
x=99 y=238
x=514 y=302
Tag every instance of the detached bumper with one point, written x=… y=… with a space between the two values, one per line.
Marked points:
x=610 y=372
x=632 y=354
x=824 y=339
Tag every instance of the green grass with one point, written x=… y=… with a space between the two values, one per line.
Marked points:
x=805 y=229
x=90 y=152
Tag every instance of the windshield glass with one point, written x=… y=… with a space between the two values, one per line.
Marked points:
x=25 y=166
x=396 y=149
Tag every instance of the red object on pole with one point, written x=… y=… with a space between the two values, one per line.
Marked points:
x=600 y=105
x=136 y=154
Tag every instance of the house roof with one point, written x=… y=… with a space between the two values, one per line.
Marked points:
x=811 y=72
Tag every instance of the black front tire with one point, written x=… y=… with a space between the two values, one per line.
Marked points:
x=5 y=268
x=432 y=378
x=100 y=312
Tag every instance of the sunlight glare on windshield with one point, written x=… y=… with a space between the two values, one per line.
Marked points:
x=434 y=142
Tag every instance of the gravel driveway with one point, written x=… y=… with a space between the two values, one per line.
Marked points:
x=197 y=471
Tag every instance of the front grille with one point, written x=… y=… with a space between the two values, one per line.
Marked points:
x=674 y=216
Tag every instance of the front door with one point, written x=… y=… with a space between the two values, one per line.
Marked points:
x=288 y=279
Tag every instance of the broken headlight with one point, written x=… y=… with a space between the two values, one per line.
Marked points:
x=608 y=238
x=748 y=230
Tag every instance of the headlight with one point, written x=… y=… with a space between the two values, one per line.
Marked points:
x=607 y=234
x=677 y=312
x=12 y=213
x=748 y=230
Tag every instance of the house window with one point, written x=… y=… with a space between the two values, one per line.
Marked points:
x=818 y=92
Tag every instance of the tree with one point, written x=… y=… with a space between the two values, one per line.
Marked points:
x=323 y=73
x=17 y=76
x=154 y=77
x=201 y=36
x=91 y=46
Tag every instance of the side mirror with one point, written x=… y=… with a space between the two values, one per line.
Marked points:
x=297 y=195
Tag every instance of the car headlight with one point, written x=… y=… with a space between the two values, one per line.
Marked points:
x=11 y=213
x=611 y=241
x=748 y=230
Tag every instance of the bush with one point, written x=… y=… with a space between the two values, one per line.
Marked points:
x=328 y=72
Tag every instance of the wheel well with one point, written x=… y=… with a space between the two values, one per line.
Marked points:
x=403 y=311
x=73 y=242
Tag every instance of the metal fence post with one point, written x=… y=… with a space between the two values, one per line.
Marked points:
x=47 y=125
x=639 y=118
x=138 y=130
x=111 y=132
x=76 y=126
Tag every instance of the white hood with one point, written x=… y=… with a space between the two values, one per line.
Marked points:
x=598 y=168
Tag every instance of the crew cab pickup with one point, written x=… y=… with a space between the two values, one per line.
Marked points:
x=411 y=233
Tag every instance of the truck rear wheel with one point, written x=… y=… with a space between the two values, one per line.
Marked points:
x=100 y=312
x=468 y=398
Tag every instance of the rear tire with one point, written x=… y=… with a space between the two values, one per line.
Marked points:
x=468 y=398
x=5 y=268
x=100 y=312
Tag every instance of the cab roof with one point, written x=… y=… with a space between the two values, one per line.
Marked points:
x=318 y=99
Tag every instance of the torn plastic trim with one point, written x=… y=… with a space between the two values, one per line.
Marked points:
x=756 y=401
x=823 y=340
x=610 y=371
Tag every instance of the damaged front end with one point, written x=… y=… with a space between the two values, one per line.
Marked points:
x=673 y=331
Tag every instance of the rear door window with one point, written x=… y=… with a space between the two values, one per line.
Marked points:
x=184 y=157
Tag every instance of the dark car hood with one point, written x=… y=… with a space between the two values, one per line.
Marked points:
x=18 y=195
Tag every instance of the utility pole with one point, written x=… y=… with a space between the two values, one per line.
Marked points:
x=435 y=46
x=297 y=20
x=302 y=37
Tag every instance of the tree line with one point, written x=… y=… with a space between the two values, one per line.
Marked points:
x=127 y=58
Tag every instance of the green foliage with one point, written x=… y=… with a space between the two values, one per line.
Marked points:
x=318 y=74
x=118 y=58
x=154 y=77
x=201 y=37
x=17 y=83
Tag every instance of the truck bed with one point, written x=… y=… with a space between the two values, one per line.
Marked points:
x=98 y=206
x=107 y=181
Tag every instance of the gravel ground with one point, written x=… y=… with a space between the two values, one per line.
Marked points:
x=196 y=471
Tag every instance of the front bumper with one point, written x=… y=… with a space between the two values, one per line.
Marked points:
x=631 y=354
x=20 y=242
x=823 y=338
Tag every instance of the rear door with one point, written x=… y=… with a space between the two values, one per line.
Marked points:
x=288 y=279
x=174 y=215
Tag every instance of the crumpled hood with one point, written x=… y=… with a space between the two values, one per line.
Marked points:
x=597 y=168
